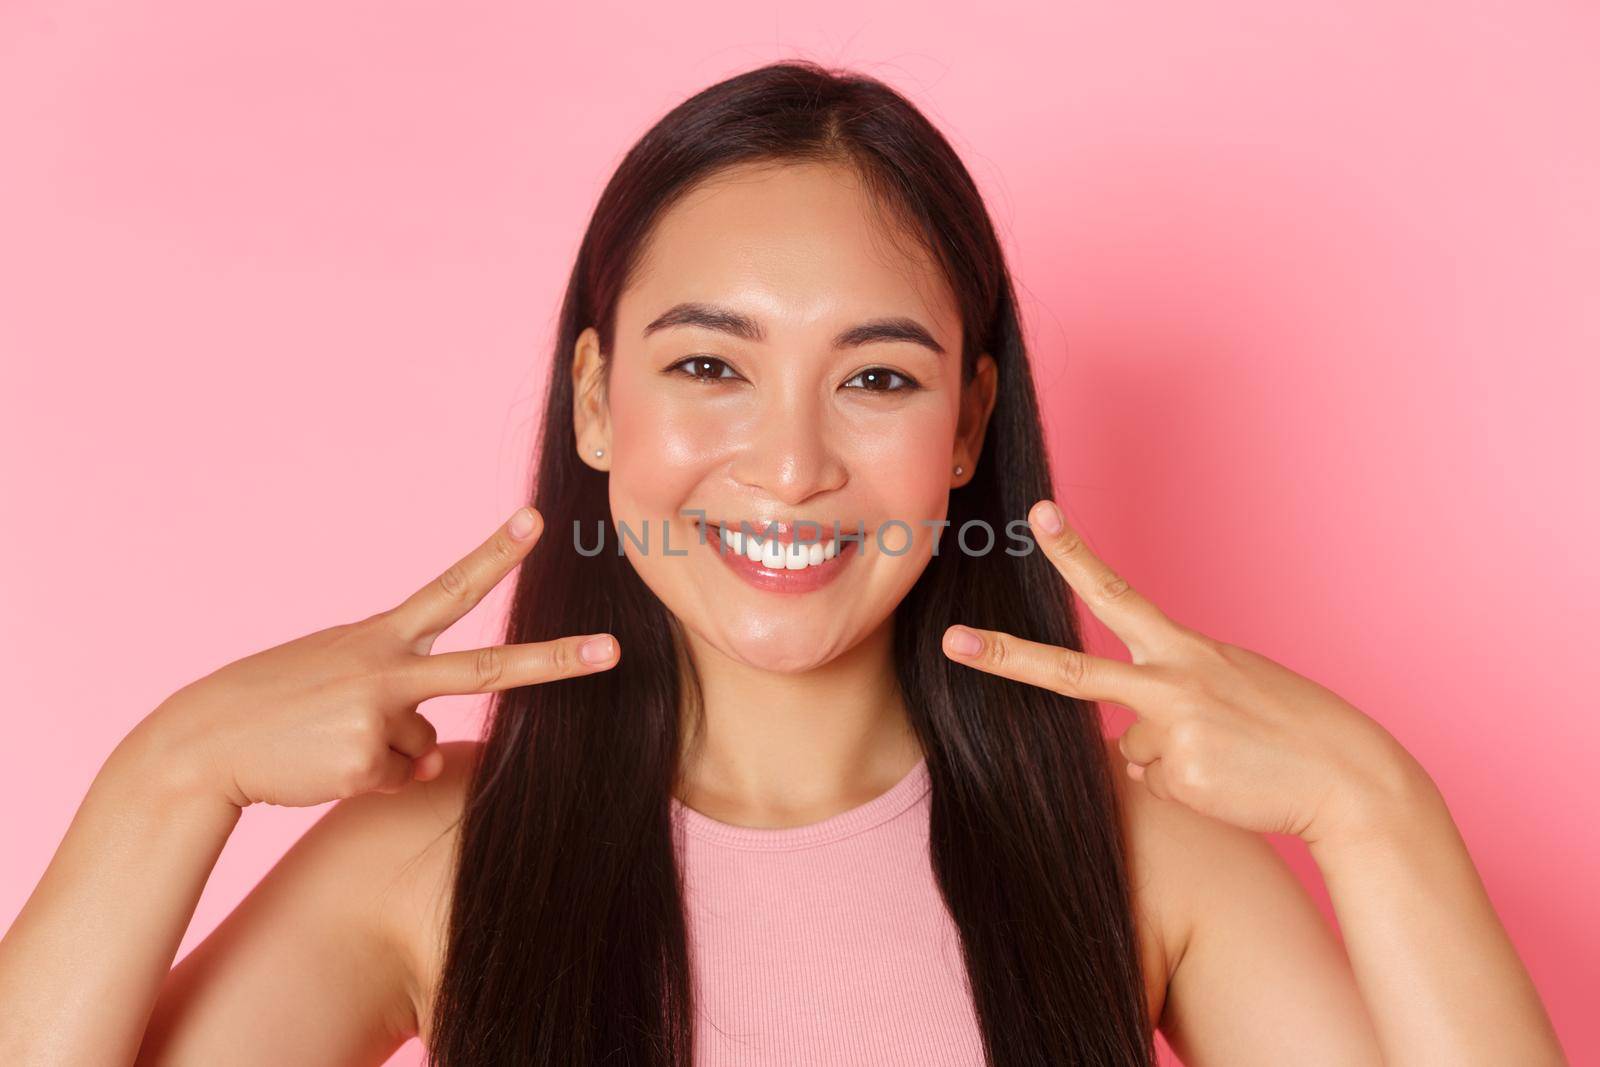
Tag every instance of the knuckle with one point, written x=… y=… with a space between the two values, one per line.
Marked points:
x=1184 y=736
x=454 y=581
x=368 y=729
x=359 y=772
x=562 y=657
x=380 y=623
x=388 y=629
x=1072 y=669
x=488 y=666
x=1189 y=774
x=1232 y=655
x=384 y=681
x=372 y=674
x=373 y=762
x=1068 y=545
x=1115 y=587
x=1186 y=694
x=1203 y=648
x=357 y=645
x=501 y=549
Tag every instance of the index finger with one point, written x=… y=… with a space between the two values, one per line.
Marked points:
x=1063 y=670
x=438 y=605
x=497 y=667
x=1137 y=622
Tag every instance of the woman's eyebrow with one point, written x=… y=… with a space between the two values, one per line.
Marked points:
x=726 y=320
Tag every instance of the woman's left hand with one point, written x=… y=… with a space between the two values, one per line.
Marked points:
x=1221 y=729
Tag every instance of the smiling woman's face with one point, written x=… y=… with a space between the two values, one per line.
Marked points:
x=781 y=356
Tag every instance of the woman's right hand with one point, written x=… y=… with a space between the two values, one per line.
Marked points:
x=334 y=713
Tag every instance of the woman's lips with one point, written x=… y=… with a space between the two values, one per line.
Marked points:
x=781 y=580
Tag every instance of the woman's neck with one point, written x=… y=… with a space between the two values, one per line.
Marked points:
x=773 y=749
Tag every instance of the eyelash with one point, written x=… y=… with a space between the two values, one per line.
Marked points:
x=910 y=382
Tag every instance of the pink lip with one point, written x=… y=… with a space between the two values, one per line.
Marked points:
x=765 y=578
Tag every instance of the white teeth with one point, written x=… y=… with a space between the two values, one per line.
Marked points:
x=775 y=555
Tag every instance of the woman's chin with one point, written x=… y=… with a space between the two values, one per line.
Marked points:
x=778 y=653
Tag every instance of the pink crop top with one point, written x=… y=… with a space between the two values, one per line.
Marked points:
x=825 y=944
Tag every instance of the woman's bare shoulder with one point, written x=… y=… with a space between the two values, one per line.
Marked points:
x=1158 y=916
x=398 y=850
x=1239 y=934
x=1188 y=869
x=331 y=955
x=416 y=830
x=397 y=853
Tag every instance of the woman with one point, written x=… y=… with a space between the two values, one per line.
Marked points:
x=756 y=799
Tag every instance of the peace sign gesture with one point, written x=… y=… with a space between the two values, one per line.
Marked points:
x=334 y=713
x=1221 y=729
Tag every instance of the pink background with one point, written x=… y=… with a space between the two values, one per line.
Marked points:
x=1311 y=290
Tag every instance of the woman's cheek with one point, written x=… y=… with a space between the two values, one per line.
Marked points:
x=910 y=464
x=682 y=430
x=665 y=448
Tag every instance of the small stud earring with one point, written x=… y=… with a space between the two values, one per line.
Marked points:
x=599 y=452
x=958 y=469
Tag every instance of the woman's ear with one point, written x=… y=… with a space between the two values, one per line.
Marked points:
x=977 y=404
x=591 y=417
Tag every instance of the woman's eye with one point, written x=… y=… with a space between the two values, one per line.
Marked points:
x=697 y=366
x=881 y=380
x=873 y=379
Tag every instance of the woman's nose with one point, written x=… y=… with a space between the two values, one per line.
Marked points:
x=789 y=454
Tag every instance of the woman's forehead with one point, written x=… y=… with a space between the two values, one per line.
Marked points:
x=796 y=244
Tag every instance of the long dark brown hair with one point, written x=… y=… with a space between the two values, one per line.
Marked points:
x=567 y=942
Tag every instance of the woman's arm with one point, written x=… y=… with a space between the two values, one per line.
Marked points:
x=1243 y=740
x=1261 y=979
x=1440 y=978
x=332 y=957
x=329 y=715
x=322 y=962
x=1257 y=975
x=81 y=965
x=1426 y=976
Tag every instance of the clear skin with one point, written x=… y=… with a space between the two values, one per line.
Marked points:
x=801 y=711
x=334 y=956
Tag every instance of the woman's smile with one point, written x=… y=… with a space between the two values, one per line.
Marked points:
x=803 y=563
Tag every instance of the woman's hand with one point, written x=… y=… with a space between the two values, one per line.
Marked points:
x=1221 y=729
x=334 y=713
